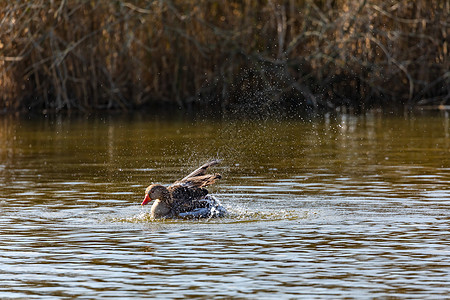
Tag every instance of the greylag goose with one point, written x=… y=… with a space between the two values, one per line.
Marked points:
x=186 y=198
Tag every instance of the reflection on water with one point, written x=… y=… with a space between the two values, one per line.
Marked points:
x=338 y=206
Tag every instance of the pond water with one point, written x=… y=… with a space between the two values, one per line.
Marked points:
x=329 y=207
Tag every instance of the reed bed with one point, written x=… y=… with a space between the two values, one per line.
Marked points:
x=123 y=55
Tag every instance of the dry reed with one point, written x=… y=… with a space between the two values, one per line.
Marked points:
x=104 y=55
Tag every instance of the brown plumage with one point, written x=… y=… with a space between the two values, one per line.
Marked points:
x=183 y=196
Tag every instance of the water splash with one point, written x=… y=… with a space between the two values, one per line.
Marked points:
x=236 y=214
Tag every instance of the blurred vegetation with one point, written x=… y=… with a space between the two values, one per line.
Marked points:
x=126 y=54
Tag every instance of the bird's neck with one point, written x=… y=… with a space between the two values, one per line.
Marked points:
x=166 y=197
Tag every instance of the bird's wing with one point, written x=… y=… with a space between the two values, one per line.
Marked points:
x=202 y=170
x=202 y=181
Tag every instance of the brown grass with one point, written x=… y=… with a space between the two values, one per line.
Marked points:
x=105 y=55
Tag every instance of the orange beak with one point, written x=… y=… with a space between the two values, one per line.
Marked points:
x=146 y=200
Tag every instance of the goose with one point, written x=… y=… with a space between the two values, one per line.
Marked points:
x=186 y=198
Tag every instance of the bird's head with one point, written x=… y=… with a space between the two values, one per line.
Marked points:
x=154 y=192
